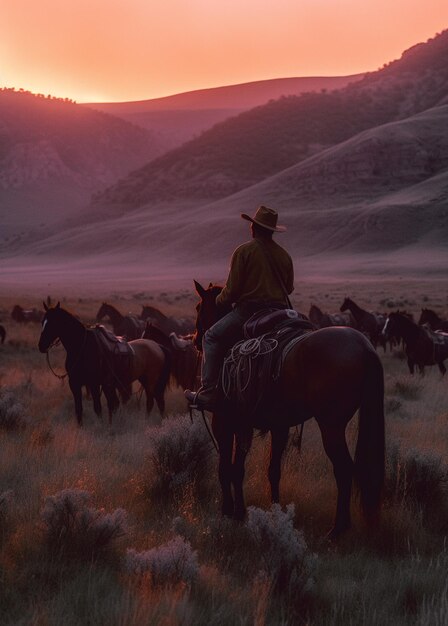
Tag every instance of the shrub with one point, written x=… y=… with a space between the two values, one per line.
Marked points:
x=11 y=411
x=419 y=477
x=171 y=563
x=180 y=454
x=286 y=559
x=73 y=529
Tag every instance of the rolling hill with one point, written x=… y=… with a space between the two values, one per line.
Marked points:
x=373 y=201
x=54 y=154
x=244 y=150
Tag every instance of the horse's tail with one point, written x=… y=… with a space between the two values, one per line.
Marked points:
x=164 y=377
x=369 y=454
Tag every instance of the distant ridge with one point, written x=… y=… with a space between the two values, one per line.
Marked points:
x=243 y=150
x=240 y=96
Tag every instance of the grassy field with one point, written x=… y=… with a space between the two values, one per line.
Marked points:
x=121 y=524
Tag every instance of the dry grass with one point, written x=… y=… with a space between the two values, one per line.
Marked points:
x=396 y=576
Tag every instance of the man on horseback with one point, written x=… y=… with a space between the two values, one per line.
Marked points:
x=261 y=276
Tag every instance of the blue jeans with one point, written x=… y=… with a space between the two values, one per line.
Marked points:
x=217 y=340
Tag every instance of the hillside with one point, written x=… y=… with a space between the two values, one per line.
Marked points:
x=374 y=204
x=244 y=150
x=54 y=154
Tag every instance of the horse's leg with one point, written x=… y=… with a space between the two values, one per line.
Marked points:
x=76 y=390
x=112 y=400
x=96 y=397
x=149 y=395
x=279 y=439
x=160 y=401
x=335 y=445
x=243 y=442
x=442 y=367
x=224 y=437
x=411 y=365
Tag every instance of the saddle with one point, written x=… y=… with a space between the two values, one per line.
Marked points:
x=116 y=346
x=267 y=320
x=252 y=368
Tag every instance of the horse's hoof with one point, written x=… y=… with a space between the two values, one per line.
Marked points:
x=336 y=532
x=228 y=511
x=239 y=515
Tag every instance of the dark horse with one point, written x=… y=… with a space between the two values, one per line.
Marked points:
x=89 y=365
x=367 y=322
x=435 y=322
x=184 y=356
x=422 y=346
x=328 y=375
x=128 y=326
x=2 y=333
x=323 y=320
x=166 y=324
x=22 y=315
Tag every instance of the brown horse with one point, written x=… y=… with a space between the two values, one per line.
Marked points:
x=128 y=326
x=328 y=375
x=168 y=325
x=184 y=360
x=89 y=365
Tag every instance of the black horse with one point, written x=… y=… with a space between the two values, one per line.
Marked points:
x=367 y=322
x=422 y=346
x=2 y=333
x=328 y=375
x=428 y=316
x=89 y=364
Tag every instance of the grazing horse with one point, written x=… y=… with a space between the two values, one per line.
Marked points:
x=323 y=320
x=22 y=315
x=166 y=324
x=367 y=322
x=422 y=347
x=89 y=364
x=2 y=333
x=127 y=326
x=184 y=360
x=435 y=322
x=328 y=375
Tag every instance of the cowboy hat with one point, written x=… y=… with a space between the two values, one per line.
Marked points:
x=266 y=218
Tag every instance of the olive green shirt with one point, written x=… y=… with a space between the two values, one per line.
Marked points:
x=251 y=276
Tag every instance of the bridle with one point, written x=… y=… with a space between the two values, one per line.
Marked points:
x=56 y=342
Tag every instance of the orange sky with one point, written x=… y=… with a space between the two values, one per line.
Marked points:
x=112 y=50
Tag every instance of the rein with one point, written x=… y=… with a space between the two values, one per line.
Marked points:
x=57 y=343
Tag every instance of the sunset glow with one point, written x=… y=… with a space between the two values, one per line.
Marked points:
x=112 y=50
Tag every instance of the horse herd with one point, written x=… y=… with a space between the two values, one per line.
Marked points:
x=329 y=375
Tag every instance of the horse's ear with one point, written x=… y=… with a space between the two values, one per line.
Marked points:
x=199 y=289
x=58 y=306
x=45 y=305
x=210 y=286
